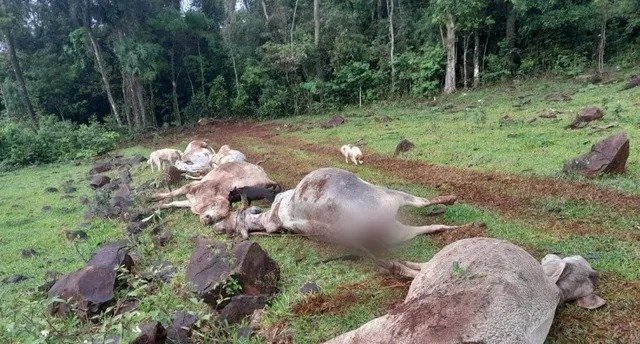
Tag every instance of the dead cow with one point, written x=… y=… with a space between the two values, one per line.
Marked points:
x=482 y=290
x=209 y=197
x=330 y=204
x=226 y=154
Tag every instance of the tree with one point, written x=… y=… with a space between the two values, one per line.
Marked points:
x=6 y=23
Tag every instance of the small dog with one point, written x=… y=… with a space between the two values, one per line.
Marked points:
x=163 y=156
x=353 y=153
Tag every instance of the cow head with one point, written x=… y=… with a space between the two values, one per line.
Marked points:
x=215 y=210
x=575 y=278
x=240 y=222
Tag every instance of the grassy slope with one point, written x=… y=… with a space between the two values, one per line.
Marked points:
x=442 y=137
x=469 y=129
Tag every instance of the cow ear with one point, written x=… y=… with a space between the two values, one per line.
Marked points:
x=553 y=269
x=591 y=301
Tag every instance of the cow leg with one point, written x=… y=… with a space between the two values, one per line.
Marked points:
x=176 y=204
x=177 y=192
x=408 y=199
x=406 y=233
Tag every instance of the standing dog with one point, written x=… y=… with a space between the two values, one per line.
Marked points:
x=161 y=156
x=353 y=153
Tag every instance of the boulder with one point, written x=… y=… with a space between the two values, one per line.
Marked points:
x=182 y=325
x=333 y=122
x=607 y=156
x=14 y=279
x=112 y=255
x=210 y=267
x=588 y=114
x=161 y=237
x=99 y=180
x=255 y=270
x=242 y=306
x=151 y=333
x=89 y=290
x=404 y=146
x=310 y=288
x=101 y=167
x=136 y=159
x=634 y=82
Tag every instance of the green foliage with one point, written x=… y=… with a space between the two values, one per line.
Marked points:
x=354 y=82
x=219 y=97
x=421 y=71
x=54 y=141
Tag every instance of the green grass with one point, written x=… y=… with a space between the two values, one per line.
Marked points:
x=463 y=130
x=470 y=130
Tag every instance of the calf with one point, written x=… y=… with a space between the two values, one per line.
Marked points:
x=161 y=157
x=482 y=290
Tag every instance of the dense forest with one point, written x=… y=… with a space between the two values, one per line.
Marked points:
x=144 y=63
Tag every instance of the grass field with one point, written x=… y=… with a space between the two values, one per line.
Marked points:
x=467 y=131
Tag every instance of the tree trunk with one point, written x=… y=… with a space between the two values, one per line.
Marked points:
x=316 y=22
x=201 y=67
x=293 y=19
x=17 y=70
x=601 y=46
x=476 y=59
x=465 y=45
x=103 y=74
x=139 y=94
x=450 y=76
x=126 y=103
x=360 y=95
x=510 y=36
x=264 y=11
x=392 y=38
x=235 y=71
x=174 y=91
x=152 y=106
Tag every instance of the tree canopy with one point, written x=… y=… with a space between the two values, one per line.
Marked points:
x=144 y=63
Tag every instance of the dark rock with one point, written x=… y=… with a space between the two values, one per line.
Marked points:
x=136 y=159
x=588 y=114
x=182 y=327
x=634 y=82
x=111 y=186
x=244 y=332
x=333 y=122
x=99 y=180
x=209 y=267
x=151 y=333
x=76 y=235
x=90 y=291
x=558 y=97
x=14 y=279
x=101 y=167
x=404 y=146
x=51 y=189
x=256 y=271
x=242 y=306
x=112 y=255
x=136 y=227
x=125 y=177
x=46 y=208
x=162 y=237
x=127 y=305
x=28 y=253
x=310 y=288
x=122 y=198
x=171 y=175
x=607 y=156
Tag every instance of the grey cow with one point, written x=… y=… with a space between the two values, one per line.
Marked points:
x=482 y=290
x=330 y=204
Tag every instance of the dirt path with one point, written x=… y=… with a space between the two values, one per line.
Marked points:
x=511 y=196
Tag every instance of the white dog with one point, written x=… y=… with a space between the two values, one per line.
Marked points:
x=353 y=153
x=163 y=156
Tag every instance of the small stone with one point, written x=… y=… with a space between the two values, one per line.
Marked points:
x=310 y=288
x=51 y=189
x=29 y=253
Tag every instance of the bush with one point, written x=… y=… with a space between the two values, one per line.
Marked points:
x=54 y=141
